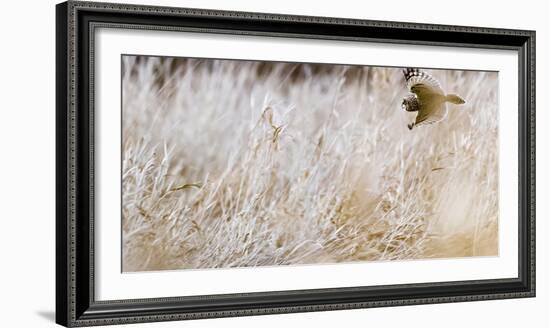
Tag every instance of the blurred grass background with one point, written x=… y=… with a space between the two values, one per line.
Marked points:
x=239 y=163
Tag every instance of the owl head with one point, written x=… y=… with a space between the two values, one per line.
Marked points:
x=410 y=103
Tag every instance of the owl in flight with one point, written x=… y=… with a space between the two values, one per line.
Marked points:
x=426 y=97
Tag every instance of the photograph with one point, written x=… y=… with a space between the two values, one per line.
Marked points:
x=231 y=163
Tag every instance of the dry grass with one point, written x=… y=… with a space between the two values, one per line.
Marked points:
x=230 y=164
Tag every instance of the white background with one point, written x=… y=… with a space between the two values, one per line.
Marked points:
x=27 y=252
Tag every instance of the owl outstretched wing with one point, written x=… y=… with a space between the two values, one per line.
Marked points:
x=421 y=82
x=431 y=114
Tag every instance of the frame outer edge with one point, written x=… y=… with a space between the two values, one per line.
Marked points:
x=533 y=163
x=190 y=12
x=66 y=112
x=61 y=103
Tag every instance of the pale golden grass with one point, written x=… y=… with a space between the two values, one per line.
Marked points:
x=231 y=164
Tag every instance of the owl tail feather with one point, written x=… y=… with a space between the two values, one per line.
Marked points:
x=454 y=99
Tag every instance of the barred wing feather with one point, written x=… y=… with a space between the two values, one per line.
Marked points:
x=416 y=77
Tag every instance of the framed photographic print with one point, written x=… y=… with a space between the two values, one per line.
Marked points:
x=214 y=163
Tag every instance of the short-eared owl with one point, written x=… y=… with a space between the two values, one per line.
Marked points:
x=426 y=97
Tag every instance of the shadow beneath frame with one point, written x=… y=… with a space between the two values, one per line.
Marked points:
x=48 y=315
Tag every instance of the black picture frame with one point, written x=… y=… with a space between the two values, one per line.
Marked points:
x=75 y=301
